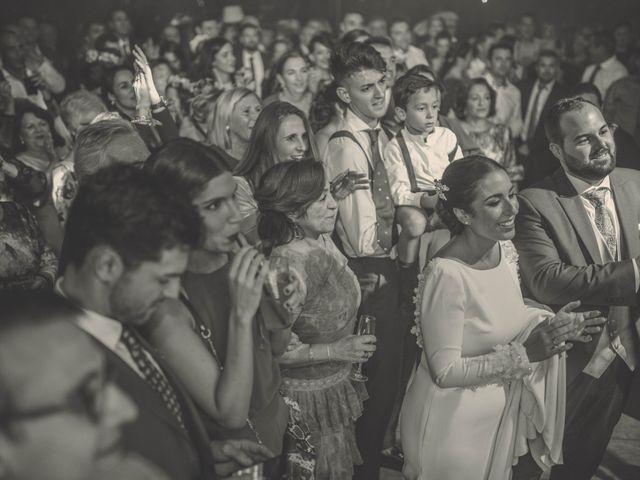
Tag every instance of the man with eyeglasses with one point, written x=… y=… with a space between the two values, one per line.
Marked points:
x=60 y=413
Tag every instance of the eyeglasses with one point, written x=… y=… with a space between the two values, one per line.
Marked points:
x=87 y=400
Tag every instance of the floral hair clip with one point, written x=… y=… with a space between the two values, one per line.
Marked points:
x=441 y=188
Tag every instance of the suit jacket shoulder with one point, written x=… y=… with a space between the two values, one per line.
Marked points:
x=155 y=433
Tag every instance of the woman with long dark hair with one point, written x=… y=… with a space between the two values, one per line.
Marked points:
x=290 y=81
x=231 y=371
x=280 y=133
x=216 y=60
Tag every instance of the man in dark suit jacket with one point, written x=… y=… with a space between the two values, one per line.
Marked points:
x=577 y=237
x=128 y=244
x=537 y=96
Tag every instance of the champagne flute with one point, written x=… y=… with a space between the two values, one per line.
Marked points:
x=366 y=326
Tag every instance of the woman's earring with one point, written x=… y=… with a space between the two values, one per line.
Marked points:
x=297 y=232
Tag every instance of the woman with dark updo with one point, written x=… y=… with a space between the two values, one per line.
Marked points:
x=297 y=217
x=486 y=353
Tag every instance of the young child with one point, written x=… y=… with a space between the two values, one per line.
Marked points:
x=415 y=160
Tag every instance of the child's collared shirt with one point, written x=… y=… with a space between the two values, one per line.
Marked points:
x=430 y=155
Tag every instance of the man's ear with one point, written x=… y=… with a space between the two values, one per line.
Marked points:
x=401 y=114
x=556 y=150
x=106 y=264
x=343 y=94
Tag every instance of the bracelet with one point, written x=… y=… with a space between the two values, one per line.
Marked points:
x=311 y=358
x=328 y=352
x=160 y=105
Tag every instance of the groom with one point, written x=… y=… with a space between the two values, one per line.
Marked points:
x=577 y=237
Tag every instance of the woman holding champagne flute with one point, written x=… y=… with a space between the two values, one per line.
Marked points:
x=297 y=216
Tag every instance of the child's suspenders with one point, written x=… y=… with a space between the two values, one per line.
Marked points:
x=406 y=157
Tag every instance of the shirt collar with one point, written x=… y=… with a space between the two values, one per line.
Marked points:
x=354 y=122
x=492 y=81
x=608 y=62
x=104 y=329
x=420 y=138
x=583 y=187
x=548 y=86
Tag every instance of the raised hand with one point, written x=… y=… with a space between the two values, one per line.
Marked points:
x=142 y=66
x=585 y=323
x=548 y=339
x=246 y=277
x=347 y=182
x=551 y=336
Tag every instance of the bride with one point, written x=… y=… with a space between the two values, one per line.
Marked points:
x=490 y=385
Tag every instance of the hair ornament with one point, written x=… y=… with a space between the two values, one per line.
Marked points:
x=441 y=188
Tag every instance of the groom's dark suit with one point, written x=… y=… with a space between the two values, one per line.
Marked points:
x=560 y=262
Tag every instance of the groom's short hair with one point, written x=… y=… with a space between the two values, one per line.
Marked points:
x=555 y=113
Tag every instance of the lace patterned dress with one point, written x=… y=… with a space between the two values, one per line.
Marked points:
x=23 y=252
x=329 y=401
x=496 y=143
x=467 y=320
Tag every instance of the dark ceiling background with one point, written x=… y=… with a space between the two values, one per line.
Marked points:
x=474 y=15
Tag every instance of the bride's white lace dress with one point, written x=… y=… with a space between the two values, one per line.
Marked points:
x=463 y=417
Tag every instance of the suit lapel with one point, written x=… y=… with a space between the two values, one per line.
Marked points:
x=626 y=217
x=526 y=96
x=572 y=205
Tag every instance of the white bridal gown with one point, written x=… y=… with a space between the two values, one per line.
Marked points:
x=455 y=401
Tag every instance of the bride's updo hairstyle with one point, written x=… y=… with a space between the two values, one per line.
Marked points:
x=286 y=190
x=461 y=177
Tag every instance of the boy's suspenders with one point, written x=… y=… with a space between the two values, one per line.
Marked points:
x=452 y=153
x=407 y=162
x=406 y=157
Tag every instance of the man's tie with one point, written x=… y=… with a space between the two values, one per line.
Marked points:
x=152 y=374
x=381 y=193
x=604 y=222
x=533 y=114
x=252 y=64
x=594 y=74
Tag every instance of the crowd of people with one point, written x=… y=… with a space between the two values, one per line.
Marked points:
x=235 y=248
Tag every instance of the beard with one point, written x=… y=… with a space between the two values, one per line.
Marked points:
x=594 y=168
x=126 y=306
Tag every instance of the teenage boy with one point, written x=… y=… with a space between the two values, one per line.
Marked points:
x=365 y=231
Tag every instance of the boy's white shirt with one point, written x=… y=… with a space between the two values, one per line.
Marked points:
x=429 y=156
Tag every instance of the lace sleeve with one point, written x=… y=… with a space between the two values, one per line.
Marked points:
x=442 y=305
x=505 y=364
